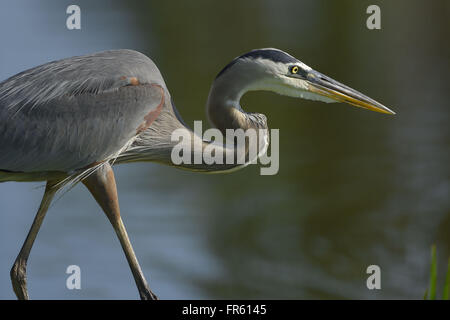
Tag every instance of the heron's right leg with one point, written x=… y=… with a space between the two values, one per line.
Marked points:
x=19 y=269
x=102 y=186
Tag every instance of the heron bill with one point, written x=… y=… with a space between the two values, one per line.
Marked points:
x=330 y=88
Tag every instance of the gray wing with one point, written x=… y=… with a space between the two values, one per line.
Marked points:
x=72 y=113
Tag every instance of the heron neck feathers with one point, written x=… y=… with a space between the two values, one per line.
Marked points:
x=223 y=106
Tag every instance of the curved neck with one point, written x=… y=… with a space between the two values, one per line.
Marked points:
x=223 y=106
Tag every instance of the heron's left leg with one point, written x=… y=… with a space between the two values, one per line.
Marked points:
x=19 y=269
x=102 y=186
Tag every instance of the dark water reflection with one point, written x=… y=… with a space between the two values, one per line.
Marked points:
x=354 y=188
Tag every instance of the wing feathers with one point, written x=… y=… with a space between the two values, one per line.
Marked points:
x=69 y=114
x=96 y=73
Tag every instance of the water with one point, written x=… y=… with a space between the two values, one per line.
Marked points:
x=355 y=188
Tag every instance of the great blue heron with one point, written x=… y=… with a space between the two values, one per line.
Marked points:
x=71 y=120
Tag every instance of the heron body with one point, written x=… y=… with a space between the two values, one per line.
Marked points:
x=70 y=120
x=44 y=131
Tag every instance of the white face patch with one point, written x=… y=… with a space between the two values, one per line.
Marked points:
x=286 y=86
x=260 y=74
x=277 y=80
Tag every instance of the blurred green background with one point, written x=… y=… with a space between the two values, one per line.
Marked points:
x=354 y=188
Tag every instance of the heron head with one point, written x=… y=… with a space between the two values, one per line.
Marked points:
x=274 y=70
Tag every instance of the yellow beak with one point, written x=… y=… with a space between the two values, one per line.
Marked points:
x=325 y=86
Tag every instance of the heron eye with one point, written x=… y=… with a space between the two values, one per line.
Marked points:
x=294 y=69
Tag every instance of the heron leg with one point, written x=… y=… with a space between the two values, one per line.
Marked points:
x=19 y=269
x=102 y=186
